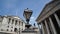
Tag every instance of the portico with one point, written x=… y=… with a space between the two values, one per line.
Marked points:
x=49 y=19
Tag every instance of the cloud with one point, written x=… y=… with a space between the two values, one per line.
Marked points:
x=32 y=18
x=9 y=7
x=9 y=4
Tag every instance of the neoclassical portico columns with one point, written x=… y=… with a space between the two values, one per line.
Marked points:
x=52 y=25
x=57 y=19
x=42 y=28
x=39 y=26
x=47 y=27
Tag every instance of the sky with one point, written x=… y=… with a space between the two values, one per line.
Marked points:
x=16 y=8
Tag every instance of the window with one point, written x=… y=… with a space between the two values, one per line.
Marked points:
x=7 y=29
x=1 y=29
x=1 y=19
x=9 y=20
x=16 y=22
x=15 y=29
x=11 y=30
x=11 y=27
x=8 y=26
x=12 y=21
x=22 y=29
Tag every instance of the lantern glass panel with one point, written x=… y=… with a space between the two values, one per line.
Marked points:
x=27 y=14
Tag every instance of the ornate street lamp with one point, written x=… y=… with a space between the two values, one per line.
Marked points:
x=27 y=14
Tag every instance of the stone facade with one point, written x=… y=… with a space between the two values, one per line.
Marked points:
x=31 y=30
x=11 y=24
x=49 y=18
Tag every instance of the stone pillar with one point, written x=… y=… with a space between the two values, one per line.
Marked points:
x=14 y=22
x=20 y=23
x=10 y=24
x=17 y=22
x=42 y=28
x=47 y=27
x=14 y=25
x=11 y=21
x=57 y=19
x=39 y=28
x=52 y=25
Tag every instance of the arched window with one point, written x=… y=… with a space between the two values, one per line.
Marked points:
x=8 y=26
x=16 y=22
x=11 y=30
x=7 y=29
x=9 y=20
x=1 y=29
x=15 y=29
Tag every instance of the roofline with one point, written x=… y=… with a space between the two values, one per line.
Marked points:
x=43 y=9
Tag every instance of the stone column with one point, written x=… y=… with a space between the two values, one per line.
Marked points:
x=39 y=28
x=57 y=19
x=52 y=25
x=47 y=27
x=17 y=22
x=20 y=23
x=42 y=28
x=11 y=21
x=14 y=22
x=10 y=24
x=14 y=25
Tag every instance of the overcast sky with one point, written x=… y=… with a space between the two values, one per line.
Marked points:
x=16 y=7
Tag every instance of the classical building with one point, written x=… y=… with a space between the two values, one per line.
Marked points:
x=11 y=24
x=49 y=18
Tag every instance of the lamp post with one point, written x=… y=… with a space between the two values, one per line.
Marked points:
x=27 y=14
